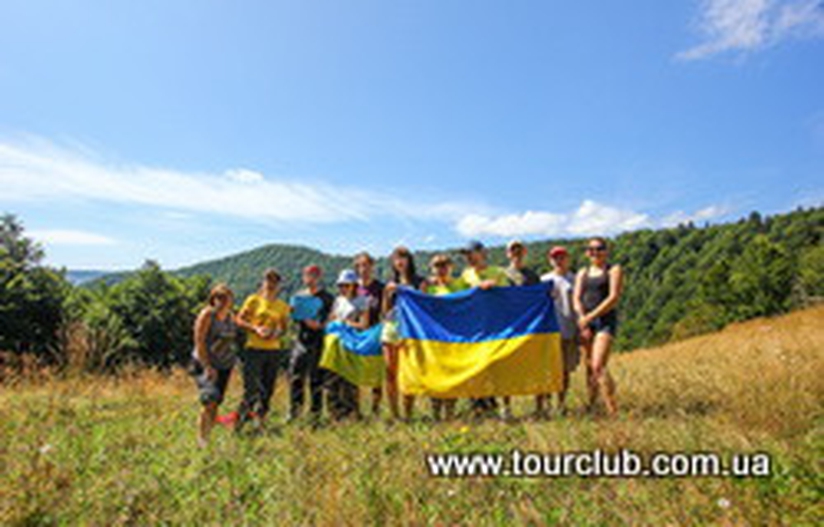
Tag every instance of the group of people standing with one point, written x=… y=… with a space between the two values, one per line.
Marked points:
x=585 y=304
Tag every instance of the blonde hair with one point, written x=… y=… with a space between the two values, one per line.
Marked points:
x=440 y=259
x=219 y=292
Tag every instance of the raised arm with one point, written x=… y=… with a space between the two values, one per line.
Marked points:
x=388 y=290
x=424 y=285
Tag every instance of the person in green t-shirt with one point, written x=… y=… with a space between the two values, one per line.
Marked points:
x=441 y=281
x=479 y=273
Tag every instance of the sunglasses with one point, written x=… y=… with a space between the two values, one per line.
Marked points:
x=597 y=248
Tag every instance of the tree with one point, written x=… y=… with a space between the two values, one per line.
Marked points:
x=157 y=311
x=810 y=278
x=761 y=280
x=31 y=296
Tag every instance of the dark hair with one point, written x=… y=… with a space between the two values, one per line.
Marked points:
x=271 y=276
x=411 y=272
x=364 y=254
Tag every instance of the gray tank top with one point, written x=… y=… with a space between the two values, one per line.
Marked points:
x=596 y=289
x=220 y=342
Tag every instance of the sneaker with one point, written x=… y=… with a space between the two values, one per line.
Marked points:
x=228 y=420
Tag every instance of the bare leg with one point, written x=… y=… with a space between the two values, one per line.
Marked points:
x=540 y=403
x=408 y=406
x=592 y=386
x=377 y=396
x=562 y=395
x=507 y=407
x=449 y=408
x=205 y=422
x=602 y=379
x=356 y=414
x=390 y=354
x=437 y=408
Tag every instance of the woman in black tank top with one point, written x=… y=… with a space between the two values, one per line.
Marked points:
x=597 y=291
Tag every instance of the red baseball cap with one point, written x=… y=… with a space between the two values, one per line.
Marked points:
x=558 y=251
x=312 y=269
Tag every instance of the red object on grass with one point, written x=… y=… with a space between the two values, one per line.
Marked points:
x=228 y=419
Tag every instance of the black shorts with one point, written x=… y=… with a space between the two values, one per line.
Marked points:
x=210 y=390
x=605 y=324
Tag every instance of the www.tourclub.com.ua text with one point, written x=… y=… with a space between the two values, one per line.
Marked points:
x=596 y=463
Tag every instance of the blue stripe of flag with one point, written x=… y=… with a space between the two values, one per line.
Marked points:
x=477 y=315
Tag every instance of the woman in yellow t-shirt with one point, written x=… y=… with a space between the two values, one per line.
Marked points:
x=264 y=317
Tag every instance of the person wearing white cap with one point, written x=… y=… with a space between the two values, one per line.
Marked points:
x=349 y=307
x=353 y=310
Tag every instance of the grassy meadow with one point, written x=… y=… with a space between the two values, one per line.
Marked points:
x=103 y=451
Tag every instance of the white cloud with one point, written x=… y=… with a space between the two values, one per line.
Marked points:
x=41 y=170
x=707 y=213
x=750 y=25
x=594 y=218
x=69 y=237
x=589 y=218
x=530 y=222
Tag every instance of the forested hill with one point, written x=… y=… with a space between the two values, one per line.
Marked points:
x=243 y=271
x=680 y=281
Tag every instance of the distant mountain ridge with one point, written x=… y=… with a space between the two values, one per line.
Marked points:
x=82 y=276
x=680 y=281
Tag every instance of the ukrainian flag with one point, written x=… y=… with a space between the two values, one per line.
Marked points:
x=480 y=343
x=354 y=355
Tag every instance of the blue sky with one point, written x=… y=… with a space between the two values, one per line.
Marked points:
x=184 y=131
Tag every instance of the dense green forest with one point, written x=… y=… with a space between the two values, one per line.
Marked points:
x=680 y=282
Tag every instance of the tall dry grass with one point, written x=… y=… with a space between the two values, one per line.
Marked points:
x=101 y=451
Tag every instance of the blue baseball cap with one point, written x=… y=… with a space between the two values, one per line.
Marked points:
x=473 y=246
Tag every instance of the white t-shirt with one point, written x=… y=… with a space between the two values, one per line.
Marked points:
x=349 y=309
x=562 y=289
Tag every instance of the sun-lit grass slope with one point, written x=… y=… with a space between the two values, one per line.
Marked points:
x=95 y=451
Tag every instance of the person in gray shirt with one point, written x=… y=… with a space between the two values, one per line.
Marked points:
x=563 y=285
